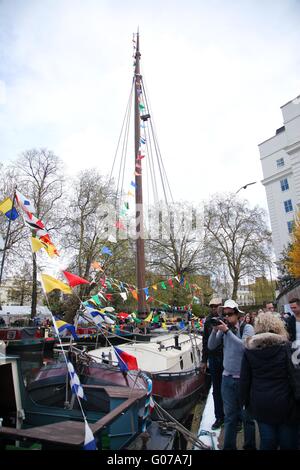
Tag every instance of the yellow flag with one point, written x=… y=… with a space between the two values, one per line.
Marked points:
x=50 y=249
x=154 y=287
x=164 y=326
x=50 y=283
x=149 y=318
x=36 y=244
x=130 y=193
x=6 y=205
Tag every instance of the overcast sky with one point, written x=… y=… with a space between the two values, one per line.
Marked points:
x=217 y=73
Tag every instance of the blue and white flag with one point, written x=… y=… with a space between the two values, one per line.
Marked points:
x=76 y=386
x=89 y=440
x=98 y=317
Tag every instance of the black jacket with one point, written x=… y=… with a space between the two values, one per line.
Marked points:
x=206 y=353
x=290 y=323
x=264 y=383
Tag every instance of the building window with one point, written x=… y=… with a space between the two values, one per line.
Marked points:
x=280 y=162
x=290 y=225
x=288 y=206
x=284 y=184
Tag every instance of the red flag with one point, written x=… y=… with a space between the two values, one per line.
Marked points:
x=126 y=361
x=170 y=282
x=74 y=280
x=109 y=297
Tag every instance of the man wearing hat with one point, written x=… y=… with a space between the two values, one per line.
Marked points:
x=229 y=332
x=214 y=359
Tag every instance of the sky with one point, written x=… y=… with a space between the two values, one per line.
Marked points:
x=216 y=72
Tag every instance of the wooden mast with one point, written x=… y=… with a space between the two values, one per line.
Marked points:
x=140 y=249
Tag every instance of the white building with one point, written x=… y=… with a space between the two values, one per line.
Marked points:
x=280 y=160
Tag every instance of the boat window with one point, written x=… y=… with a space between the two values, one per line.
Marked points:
x=181 y=362
x=192 y=357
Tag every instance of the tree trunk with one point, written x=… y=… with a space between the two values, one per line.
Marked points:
x=235 y=288
x=34 y=286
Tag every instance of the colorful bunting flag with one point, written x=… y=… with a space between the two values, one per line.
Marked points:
x=106 y=251
x=62 y=328
x=50 y=283
x=119 y=225
x=134 y=294
x=123 y=295
x=133 y=184
x=154 y=287
x=97 y=266
x=146 y=290
x=8 y=210
x=170 y=283
x=126 y=361
x=74 y=280
x=163 y=285
x=130 y=193
x=96 y=299
x=112 y=239
x=89 y=440
x=24 y=203
x=75 y=384
x=149 y=317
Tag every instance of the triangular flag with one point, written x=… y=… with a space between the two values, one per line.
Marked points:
x=133 y=184
x=89 y=440
x=50 y=283
x=170 y=283
x=112 y=239
x=74 y=280
x=130 y=193
x=36 y=244
x=154 y=287
x=106 y=251
x=123 y=295
x=149 y=317
x=126 y=361
x=163 y=285
x=137 y=174
x=24 y=203
x=96 y=299
x=146 y=290
x=139 y=157
x=134 y=294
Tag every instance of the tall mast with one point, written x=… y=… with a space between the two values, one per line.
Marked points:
x=140 y=248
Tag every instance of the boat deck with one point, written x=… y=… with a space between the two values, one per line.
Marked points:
x=70 y=434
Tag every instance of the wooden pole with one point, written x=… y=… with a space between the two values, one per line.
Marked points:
x=6 y=241
x=140 y=247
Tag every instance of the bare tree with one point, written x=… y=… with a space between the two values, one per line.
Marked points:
x=177 y=248
x=39 y=176
x=237 y=235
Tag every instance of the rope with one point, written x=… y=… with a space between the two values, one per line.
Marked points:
x=180 y=428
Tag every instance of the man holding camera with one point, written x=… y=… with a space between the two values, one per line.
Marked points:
x=215 y=362
x=228 y=330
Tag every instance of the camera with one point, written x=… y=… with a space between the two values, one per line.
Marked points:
x=215 y=321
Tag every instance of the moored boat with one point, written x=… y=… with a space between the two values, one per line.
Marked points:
x=22 y=339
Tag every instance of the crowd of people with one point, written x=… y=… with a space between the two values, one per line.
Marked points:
x=254 y=366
